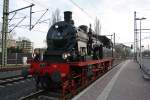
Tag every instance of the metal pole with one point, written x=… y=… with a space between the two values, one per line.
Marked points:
x=21 y=8
x=148 y=51
x=140 y=44
x=114 y=44
x=135 y=58
x=5 y=32
x=16 y=58
x=136 y=42
x=30 y=18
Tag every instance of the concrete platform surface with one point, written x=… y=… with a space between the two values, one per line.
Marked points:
x=124 y=82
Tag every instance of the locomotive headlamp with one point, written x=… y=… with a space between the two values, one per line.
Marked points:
x=65 y=55
x=56 y=26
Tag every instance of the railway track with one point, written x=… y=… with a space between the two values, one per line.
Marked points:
x=41 y=95
x=8 y=68
x=13 y=79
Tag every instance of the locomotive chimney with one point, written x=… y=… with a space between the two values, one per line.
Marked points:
x=68 y=16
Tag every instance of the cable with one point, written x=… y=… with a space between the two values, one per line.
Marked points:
x=26 y=14
x=35 y=2
x=12 y=17
x=16 y=18
x=81 y=9
x=17 y=24
x=39 y=19
x=32 y=29
x=147 y=37
x=39 y=4
x=29 y=16
x=27 y=1
x=39 y=11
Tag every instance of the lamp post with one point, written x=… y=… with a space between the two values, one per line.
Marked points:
x=140 y=19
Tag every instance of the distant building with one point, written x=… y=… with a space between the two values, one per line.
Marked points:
x=25 y=45
x=121 y=45
x=122 y=50
x=11 y=43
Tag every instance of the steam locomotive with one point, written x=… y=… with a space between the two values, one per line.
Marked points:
x=67 y=43
x=74 y=56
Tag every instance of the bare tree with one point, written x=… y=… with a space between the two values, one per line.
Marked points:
x=97 y=26
x=55 y=17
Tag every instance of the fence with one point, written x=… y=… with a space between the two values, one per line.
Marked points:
x=16 y=58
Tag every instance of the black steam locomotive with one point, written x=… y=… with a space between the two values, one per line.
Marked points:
x=67 y=43
x=74 y=57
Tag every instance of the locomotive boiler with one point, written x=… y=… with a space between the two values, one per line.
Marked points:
x=74 y=56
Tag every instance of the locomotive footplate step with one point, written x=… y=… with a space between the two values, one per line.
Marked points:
x=124 y=82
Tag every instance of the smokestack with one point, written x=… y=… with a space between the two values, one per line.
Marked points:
x=68 y=16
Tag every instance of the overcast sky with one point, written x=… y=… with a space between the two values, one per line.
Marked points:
x=114 y=15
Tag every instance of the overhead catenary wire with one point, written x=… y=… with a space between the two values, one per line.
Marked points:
x=18 y=12
x=39 y=11
x=147 y=37
x=32 y=12
x=38 y=3
x=28 y=1
x=32 y=29
x=17 y=24
x=44 y=21
x=12 y=17
x=18 y=18
x=35 y=2
x=37 y=20
x=75 y=4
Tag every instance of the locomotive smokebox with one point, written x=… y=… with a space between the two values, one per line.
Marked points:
x=68 y=16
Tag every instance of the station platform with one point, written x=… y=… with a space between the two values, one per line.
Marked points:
x=124 y=82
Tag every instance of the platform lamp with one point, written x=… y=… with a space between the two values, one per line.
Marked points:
x=140 y=19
